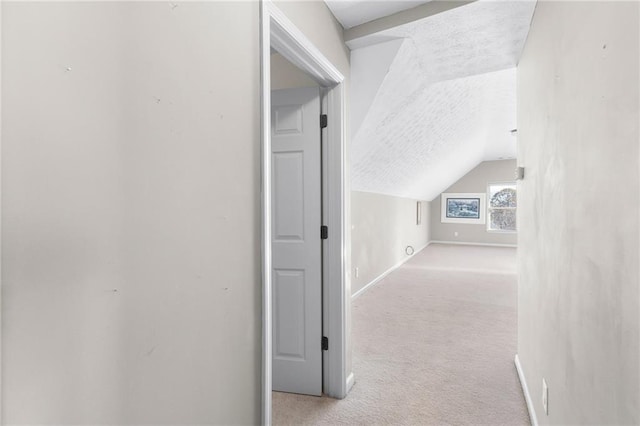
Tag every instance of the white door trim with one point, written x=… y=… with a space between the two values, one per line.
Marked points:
x=279 y=32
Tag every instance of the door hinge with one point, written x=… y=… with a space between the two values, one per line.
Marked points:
x=323 y=121
x=324 y=232
x=325 y=343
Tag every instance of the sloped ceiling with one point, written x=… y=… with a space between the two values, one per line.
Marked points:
x=418 y=148
x=356 y=12
x=446 y=103
x=367 y=79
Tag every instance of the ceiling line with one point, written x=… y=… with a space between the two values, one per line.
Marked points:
x=403 y=17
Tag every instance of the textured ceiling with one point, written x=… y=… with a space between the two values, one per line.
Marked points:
x=420 y=147
x=355 y=12
x=447 y=103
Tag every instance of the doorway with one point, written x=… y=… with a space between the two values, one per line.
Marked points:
x=280 y=35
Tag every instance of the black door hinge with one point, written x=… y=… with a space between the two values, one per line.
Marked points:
x=324 y=232
x=323 y=121
x=325 y=343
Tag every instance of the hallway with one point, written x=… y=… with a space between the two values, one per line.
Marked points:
x=433 y=344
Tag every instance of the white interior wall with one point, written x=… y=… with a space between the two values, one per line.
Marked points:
x=131 y=205
x=131 y=280
x=578 y=256
x=382 y=228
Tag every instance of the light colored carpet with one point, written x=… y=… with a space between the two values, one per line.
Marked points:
x=433 y=344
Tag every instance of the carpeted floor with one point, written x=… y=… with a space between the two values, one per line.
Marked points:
x=433 y=344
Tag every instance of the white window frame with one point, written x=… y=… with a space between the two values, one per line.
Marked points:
x=489 y=208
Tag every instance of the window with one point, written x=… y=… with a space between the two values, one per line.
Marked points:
x=501 y=208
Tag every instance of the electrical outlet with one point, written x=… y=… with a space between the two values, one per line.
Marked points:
x=357 y=272
x=545 y=396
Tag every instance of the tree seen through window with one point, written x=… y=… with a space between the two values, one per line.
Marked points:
x=503 y=201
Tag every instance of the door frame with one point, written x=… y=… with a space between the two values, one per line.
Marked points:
x=279 y=32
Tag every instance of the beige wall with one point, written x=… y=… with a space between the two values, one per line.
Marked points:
x=285 y=75
x=316 y=21
x=131 y=206
x=474 y=181
x=578 y=310
x=382 y=227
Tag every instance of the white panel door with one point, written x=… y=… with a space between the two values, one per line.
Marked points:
x=296 y=244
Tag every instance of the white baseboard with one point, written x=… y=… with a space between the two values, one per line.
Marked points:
x=387 y=272
x=527 y=396
x=350 y=382
x=463 y=243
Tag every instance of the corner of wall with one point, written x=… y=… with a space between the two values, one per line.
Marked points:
x=525 y=390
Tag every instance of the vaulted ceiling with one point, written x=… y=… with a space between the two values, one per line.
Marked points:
x=356 y=12
x=431 y=97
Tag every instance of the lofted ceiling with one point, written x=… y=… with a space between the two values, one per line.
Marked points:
x=351 y=13
x=436 y=97
x=420 y=143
